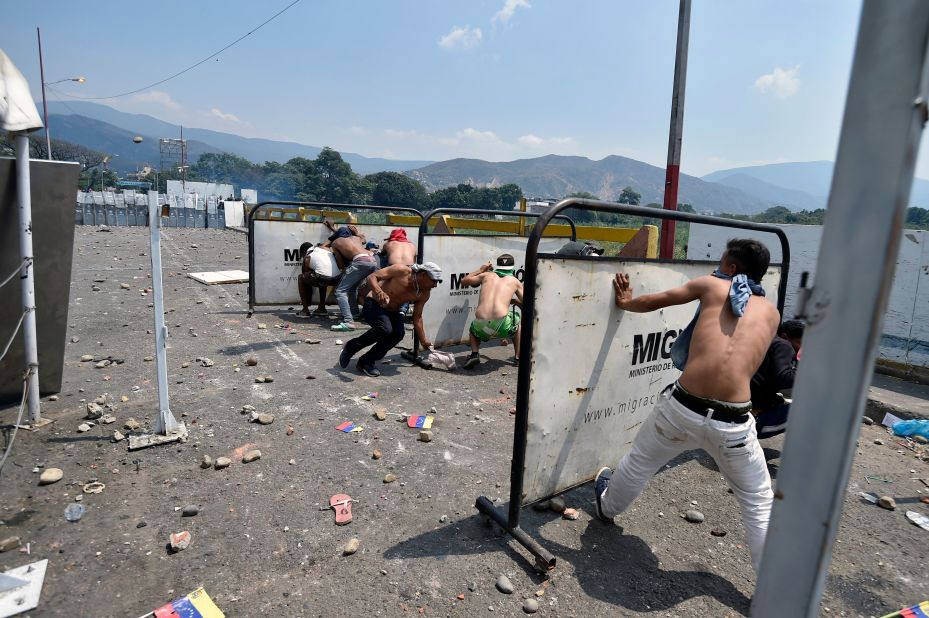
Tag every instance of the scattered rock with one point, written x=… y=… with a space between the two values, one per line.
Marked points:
x=118 y=436
x=107 y=419
x=86 y=358
x=390 y=477
x=376 y=454
x=94 y=410
x=148 y=359
x=867 y=420
x=206 y=462
x=694 y=516
x=102 y=364
x=718 y=532
x=74 y=512
x=472 y=587
x=251 y=361
x=541 y=506
x=75 y=339
x=262 y=326
x=878 y=441
x=259 y=380
x=443 y=519
x=205 y=362
x=185 y=365
x=312 y=341
x=141 y=524
x=380 y=414
x=557 y=504
x=339 y=342
x=290 y=430
x=10 y=542
x=51 y=475
x=222 y=462
x=132 y=425
x=251 y=456
x=83 y=427
x=311 y=377
x=504 y=585
x=530 y=606
x=123 y=398
x=269 y=379
x=425 y=436
x=53 y=398
x=921 y=439
x=886 y=502
x=180 y=541
x=570 y=514
x=351 y=547
x=190 y=510
x=265 y=418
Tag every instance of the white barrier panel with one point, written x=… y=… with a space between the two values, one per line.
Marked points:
x=276 y=249
x=905 y=336
x=596 y=370
x=448 y=314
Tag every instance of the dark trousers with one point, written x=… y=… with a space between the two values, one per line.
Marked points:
x=386 y=331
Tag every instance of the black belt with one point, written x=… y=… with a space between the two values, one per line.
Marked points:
x=703 y=407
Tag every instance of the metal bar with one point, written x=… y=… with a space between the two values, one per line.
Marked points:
x=676 y=134
x=165 y=422
x=27 y=278
x=524 y=375
x=884 y=116
x=48 y=139
x=544 y=558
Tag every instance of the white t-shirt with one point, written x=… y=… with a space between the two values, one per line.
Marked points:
x=323 y=263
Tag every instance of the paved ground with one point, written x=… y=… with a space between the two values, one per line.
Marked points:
x=903 y=399
x=262 y=547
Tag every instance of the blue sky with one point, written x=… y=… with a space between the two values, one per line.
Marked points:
x=492 y=79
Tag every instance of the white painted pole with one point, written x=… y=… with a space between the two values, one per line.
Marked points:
x=24 y=198
x=166 y=423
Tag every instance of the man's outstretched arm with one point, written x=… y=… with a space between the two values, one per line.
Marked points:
x=686 y=293
x=473 y=279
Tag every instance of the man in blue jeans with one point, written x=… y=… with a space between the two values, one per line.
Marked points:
x=357 y=263
x=388 y=290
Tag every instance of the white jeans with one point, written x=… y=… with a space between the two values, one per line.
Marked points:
x=671 y=429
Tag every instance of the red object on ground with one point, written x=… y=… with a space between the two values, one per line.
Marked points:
x=342 y=504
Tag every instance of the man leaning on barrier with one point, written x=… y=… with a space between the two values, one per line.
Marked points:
x=709 y=406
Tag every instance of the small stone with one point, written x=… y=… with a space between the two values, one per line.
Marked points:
x=124 y=398
x=86 y=358
x=83 y=427
x=380 y=414
x=886 y=502
x=180 y=541
x=107 y=419
x=504 y=585
x=530 y=606
x=185 y=365
x=205 y=362
x=118 y=436
x=390 y=477
x=259 y=380
x=251 y=361
x=190 y=510
x=718 y=532
x=867 y=420
x=339 y=342
x=312 y=341
x=376 y=454
x=541 y=506
x=51 y=475
x=570 y=514
x=141 y=524
x=262 y=326
x=292 y=462
x=351 y=547
x=222 y=462
x=472 y=587
x=557 y=504
x=694 y=516
x=132 y=425
x=10 y=542
x=148 y=359
x=921 y=439
x=124 y=286
x=251 y=456
x=94 y=410
x=206 y=462
x=311 y=377
x=269 y=379
x=102 y=364
x=425 y=436
x=265 y=418
x=75 y=339
x=878 y=441
x=290 y=430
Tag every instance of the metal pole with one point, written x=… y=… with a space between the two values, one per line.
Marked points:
x=673 y=171
x=166 y=422
x=27 y=278
x=48 y=139
x=884 y=116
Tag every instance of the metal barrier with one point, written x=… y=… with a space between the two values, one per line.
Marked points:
x=288 y=269
x=519 y=496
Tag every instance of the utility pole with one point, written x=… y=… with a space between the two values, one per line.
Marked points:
x=48 y=139
x=673 y=171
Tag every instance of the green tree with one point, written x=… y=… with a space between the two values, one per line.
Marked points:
x=628 y=196
x=395 y=189
x=332 y=181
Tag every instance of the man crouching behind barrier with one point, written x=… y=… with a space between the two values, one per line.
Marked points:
x=388 y=290
x=496 y=316
x=708 y=407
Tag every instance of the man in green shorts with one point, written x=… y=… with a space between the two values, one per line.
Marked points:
x=496 y=316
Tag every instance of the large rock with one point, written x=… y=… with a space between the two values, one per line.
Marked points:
x=94 y=410
x=251 y=456
x=504 y=585
x=51 y=475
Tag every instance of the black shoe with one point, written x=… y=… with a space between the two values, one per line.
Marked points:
x=601 y=482
x=368 y=370
x=344 y=357
x=474 y=359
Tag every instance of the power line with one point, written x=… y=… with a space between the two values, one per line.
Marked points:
x=193 y=66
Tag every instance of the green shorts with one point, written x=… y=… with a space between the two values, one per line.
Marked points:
x=485 y=330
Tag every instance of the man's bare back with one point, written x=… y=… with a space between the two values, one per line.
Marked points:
x=346 y=249
x=399 y=252
x=496 y=292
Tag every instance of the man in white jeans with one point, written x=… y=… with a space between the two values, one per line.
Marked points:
x=709 y=406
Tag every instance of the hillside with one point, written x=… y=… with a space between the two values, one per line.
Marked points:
x=555 y=176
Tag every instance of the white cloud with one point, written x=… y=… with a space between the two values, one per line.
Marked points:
x=509 y=8
x=477 y=136
x=531 y=140
x=461 y=38
x=156 y=96
x=534 y=141
x=782 y=83
x=216 y=113
x=357 y=130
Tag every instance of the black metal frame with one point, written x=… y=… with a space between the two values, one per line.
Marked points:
x=413 y=356
x=315 y=206
x=509 y=520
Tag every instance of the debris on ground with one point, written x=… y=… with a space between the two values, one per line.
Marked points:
x=351 y=547
x=197 y=603
x=222 y=462
x=179 y=541
x=570 y=514
x=390 y=477
x=190 y=510
x=349 y=427
x=206 y=462
x=94 y=487
x=557 y=504
x=694 y=516
x=918 y=519
x=342 y=505
x=253 y=455
x=504 y=585
x=530 y=606
x=51 y=475
x=425 y=436
x=420 y=422
x=11 y=542
x=886 y=502
x=74 y=511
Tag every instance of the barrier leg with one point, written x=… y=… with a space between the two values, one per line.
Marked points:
x=544 y=560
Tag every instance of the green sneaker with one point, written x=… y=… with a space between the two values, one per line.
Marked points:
x=342 y=327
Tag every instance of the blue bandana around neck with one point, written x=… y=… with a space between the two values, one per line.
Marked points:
x=740 y=291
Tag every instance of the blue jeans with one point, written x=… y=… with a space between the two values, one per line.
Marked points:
x=346 y=293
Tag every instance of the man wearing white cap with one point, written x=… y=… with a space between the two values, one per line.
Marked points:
x=388 y=290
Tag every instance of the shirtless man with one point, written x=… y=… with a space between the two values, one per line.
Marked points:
x=389 y=289
x=398 y=249
x=494 y=317
x=709 y=406
x=356 y=263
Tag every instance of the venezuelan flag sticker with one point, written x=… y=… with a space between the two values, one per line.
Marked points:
x=917 y=611
x=420 y=422
x=197 y=604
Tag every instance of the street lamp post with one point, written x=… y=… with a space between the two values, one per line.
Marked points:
x=80 y=80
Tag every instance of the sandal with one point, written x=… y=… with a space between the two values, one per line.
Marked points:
x=342 y=505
